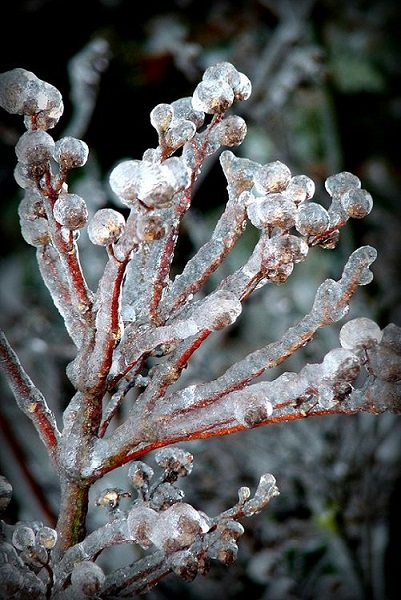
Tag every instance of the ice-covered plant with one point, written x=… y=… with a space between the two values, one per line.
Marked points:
x=136 y=333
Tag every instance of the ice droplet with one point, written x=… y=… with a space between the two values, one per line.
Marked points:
x=87 y=577
x=141 y=520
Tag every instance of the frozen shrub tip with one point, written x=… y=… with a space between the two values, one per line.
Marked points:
x=136 y=334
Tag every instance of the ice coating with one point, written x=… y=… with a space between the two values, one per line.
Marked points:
x=273 y=209
x=87 y=577
x=217 y=311
x=141 y=521
x=212 y=96
x=106 y=226
x=357 y=202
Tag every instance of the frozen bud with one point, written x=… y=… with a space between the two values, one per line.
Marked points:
x=232 y=530
x=166 y=494
x=341 y=182
x=300 y=188
x=212 y=96
x=357 y=203
x=223 y=71
x=23 y=537
x=280 y=274
x=106 y=227
x=289 y=249
x=184 y=111
x=226 y=552
x=35 y=148
x=70 y=210
x=243 y=89
x=161 y=116
x=70 y=152
x=36 y=233
x=274 y=209
x=111 y=497
x=141 y=520
x=311 y=219
x=22 y=93
x=28 y=177
x=341 y=363
x=88 y=578
x=250 y=408
x=272 y=177
x=329 y=302
x=139 y=474
x=185 y=565
x=179 y=134
x=124 y=180
x=360 y=333
x=392 y=338
x=150 y=227
x=231 y=131
x=385 y=363
x=177 y=527
x=239 y=171
x=180 y=173
x=31 y=206
x=175 y=460
x=46 y=537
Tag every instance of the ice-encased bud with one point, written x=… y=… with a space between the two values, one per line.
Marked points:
x=300 y=188
x=106 y=227
x=184 y=111
x=150 y=227
x=161 y=116
x=35 y=148
x=22 y=93
x=231 y=131
x=311 y=219
x=175 y=460
x=232 y=530
x=177 y=527
x=289 y=249
x=31 y=206
x=326 y=397
x=27 y=177
x=177 y=135
x=124 y=180
x=360 y=333
x=70 y=210
x=166 y=494
x=212 y=96
x=141 y=520
x=46 y=537
x=239 y=171
x=70 y=152
x=23 y=537
x=139 y=474
x=223 y=71
x=87 y=577
x=36 y=233
x=341 y=364
x=357 y=203
x=251 y=408
x=185 y=565
x=243 y=89
x=272 y=177
x=341 y=182
x=272 y=210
